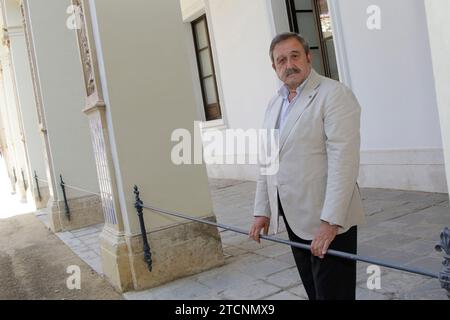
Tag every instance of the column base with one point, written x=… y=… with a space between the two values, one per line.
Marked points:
x=45 y=197
x=84 y=212
x=177 y=251
x=21 y=192
x=115 y=260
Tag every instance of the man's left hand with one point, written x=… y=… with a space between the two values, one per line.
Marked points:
x=323 y=238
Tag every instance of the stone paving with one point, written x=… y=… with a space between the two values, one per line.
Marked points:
x=402 y=227
x=84 y=242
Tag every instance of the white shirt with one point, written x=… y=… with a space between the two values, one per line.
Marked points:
x=287 y=106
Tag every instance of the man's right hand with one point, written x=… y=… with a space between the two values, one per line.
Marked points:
x=259 y=223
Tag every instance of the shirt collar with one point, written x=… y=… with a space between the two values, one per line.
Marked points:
x=284 y=90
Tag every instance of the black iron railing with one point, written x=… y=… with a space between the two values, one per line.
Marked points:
x=139 y=207
x=36 y=179
x=63 y=186
x=66 y=205
x=25 y=187
x=443 y=245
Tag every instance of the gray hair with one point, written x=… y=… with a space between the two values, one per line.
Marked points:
x=285 y=36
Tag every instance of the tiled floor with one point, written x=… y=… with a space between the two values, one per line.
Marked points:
x=84 y=242
x=402 y=227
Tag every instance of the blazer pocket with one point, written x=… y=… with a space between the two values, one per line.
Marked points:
x=317 y=191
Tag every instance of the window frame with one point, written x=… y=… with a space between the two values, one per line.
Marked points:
x=213 y=75
x=293 y=26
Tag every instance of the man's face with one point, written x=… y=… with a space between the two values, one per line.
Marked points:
x=291 y=63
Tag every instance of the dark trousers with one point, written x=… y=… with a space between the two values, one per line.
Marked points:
x=331 y=278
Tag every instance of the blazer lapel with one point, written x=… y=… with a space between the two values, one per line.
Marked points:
x=307 y=95
x=274 y=113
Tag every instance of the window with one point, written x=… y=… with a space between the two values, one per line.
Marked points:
x=311 y=18
x=206 y=69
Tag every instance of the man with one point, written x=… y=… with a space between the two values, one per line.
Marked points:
x=315 y=188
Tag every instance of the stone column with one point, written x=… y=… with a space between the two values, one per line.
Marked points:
x=438 y=12
x=17 y=161
x=26 y=102
x=139 y=89
x=7 y=121
x=64 y=130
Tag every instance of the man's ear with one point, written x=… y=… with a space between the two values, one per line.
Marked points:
x=309 y=57
x=273 y=66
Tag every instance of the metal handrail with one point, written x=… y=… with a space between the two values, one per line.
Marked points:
x=23 y=179
x=82 y=190
x=37 y=186
x=73 y=187
x=443 y=245
x=42 y=180
x=330 y=252
x=63 y=186
x=66 y=205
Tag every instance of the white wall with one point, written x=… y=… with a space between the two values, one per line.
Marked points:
x=389 y=70
x=22 y=73
x=63 y=94
x=148 y=89
x=8 y=121
x=11 y=23
x=390 y=73
x=438 y=12
x=190 y=9
x=242 y=32
x=12 y=118
x=279 y=11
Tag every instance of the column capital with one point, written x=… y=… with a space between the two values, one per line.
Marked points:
x=5 y=37
x=97 y=105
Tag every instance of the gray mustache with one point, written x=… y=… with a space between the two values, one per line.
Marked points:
x=291 y=71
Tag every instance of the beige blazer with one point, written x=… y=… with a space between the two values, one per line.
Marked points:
x=318 y=160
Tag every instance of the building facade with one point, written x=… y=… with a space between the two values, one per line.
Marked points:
x=92 y=91
x=380 y=49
